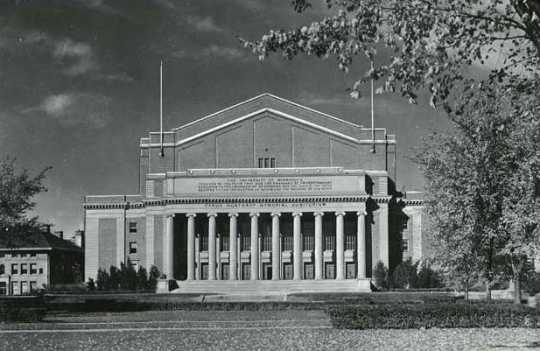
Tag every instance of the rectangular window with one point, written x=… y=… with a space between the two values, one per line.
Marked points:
x=33 y=268
x=350 y=242
x=3 y=288
x=245 y=242
x=133 y=247
x=15 y=288
x=14 y=268
x=24 y=288
x=266 y=243
x=135 y=265
x=13 y=255
x=41 y=271
x=261 y=164
x=272 y=162
x=308 y=242
x=33 y=286
x=23 y=255
x=133 y=227
x=329 y=242
x=33 y=254
x=224 y=242
x=287 y=244
x=24 y=268
x=203 y=240
x=266 y=162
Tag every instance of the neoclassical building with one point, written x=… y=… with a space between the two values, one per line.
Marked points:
x=266 y=195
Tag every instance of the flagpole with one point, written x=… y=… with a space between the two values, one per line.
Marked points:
x=161 y=153
x=372 y=112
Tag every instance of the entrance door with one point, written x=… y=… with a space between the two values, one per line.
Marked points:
x=267 y=271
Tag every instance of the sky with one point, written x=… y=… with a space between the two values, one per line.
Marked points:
x=79 y=85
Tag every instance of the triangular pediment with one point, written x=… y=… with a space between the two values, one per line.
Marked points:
x=261 y=104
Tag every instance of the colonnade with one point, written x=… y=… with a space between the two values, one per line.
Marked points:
x=297 y=251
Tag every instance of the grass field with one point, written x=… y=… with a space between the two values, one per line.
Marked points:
x=242 y=330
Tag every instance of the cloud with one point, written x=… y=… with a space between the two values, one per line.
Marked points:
x=213 y=52
x=80 y=55
x=76 y=109
x=203 y=24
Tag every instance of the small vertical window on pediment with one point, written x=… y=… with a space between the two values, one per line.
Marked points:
x=261 y=165
x=272 y=162
x=266 y=162
x=133 y=227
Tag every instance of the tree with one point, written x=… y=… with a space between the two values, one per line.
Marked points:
x=142 y=278
x=481 y=184
x=427 y=44
x=404 y=275
x=17 y=188
x=153 y=277
x=380 y=275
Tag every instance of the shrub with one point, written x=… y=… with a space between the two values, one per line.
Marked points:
x=153 y=277
x=91 y=285
x=442 y=315
x=404 y=275
x=380 y=275
x=103 y=280
x=142 y=278
x=428 y=277
x=531 y=283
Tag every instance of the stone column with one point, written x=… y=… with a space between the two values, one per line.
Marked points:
x=383 y=234
x=339 y=246
x=232 y=245
x=318 y=245
x=212 y=246
x=191 y=246
x=254 y=246
x=275 y=246
x=361 y=245
x=197 y=257
x=168 y=248
x=218 y=256
x=297 y=246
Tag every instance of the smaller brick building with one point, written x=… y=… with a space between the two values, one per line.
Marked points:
x=33 y=259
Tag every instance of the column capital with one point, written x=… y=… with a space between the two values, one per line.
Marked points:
x=361 y=213
x=297 y=214
x=191 y=215
x=318 y=214
x=340 y=213
x=211 y=214
x=254 y=214
x=275 y=214
x=233 y=214
x=170 y=215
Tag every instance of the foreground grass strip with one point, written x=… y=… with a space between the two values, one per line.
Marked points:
x=104 y=330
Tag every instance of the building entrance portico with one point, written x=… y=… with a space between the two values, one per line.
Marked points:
x=292 y=245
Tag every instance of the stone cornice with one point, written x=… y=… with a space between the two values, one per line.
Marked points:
x=234 y=200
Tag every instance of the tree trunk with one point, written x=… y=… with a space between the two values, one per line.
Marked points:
x=488 y=291
x=517 y=290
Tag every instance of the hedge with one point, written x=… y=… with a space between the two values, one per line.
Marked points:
x=442 y=315
x=22 y=309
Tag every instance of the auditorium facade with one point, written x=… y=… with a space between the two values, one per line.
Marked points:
x=266 y=195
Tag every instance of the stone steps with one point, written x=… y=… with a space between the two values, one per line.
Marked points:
x=271 y=287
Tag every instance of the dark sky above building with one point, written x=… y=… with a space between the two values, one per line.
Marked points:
x=79 y=85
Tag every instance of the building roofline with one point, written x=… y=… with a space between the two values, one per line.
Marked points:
x=258 y=97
